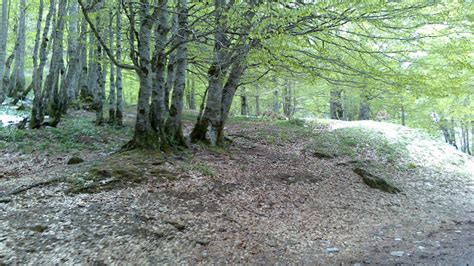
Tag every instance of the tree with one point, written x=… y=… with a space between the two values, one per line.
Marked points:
x=3 y=46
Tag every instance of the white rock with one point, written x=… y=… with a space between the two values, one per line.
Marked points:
x=332 y=250
x=397 y=253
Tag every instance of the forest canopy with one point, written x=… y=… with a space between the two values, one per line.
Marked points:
x=407 y=62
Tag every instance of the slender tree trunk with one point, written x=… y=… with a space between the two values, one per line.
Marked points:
x=118 y=83
x=192 y=98
x=3 y=47
x=37 y=113
x=452 y=134
x=244 y=109
x=336 y=104
x=8 y=64
x=228 y=93
x=171 y=67
x=84 y=91
x=35 y=53
x=56 y=70
x=173 y=123
x=364 y=109
x=112 y=91
x=287 y=99
x=257 y=105
x=276 y=102
x=17 y=79
x=74 y=57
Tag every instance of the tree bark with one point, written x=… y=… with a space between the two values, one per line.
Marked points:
x=17 y=78
x=3 y=46
x=209 y=123
x=37 y=112
x=364 y=109
x=173 y=124
x=112 y=87
x=56 y=70
x=244 y=107
x=336 y=109
x=144 y=135
x=159 y=107
x=74 y=57
x=118 y=82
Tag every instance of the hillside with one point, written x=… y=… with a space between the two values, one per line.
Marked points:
x=279 y=192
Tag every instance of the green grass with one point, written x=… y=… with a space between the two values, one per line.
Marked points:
x=201 y=168
x=356 y=142
x=73 y=133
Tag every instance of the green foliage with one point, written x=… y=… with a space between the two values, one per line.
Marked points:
x=75 y=133
x=200 y=167
x=357 y=143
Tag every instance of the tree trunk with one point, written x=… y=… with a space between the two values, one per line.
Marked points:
x=35 y=53
x=171 y=70
x=336 y=109
x=257 y=105
x=74 y=58
x=56 y=70
x=192 y=98
x=84 y=91
x=228 y=93
x=17 y=78
x=287 y=109
x=208 y=124
x=144 y=135
x=452 y=130
x=118 y=83
x=364 y=109
x=3 y=47
x=276 y=102
x=244 y=109
x=37 y=112
x=112 y=88
x=173 y=124
x=159 y=108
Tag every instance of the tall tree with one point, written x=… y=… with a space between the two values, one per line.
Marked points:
x=17 y=78
x=173 y=124
x=3 y=46
x=37 y=112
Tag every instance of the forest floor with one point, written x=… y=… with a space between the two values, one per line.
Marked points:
x=279 y=192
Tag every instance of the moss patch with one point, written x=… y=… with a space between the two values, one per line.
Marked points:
x=122 y=170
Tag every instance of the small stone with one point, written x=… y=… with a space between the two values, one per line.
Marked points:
x=203 y=241
x=177 y=224
x=397 y=253
x=398 y=239
x=332 y=250
x=75 y=160
x=421 y=247
x=39 y=228
x=458 y=231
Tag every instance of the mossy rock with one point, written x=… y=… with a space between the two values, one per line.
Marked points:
x=376 y=182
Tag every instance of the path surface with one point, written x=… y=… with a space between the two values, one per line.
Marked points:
x=261 y=203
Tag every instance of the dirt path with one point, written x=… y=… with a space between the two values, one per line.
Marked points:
x=258 y=202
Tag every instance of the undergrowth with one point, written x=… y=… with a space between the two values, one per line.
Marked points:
x=73 y=133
